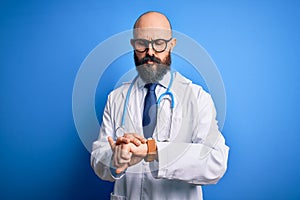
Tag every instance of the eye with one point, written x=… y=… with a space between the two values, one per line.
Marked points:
x=159 y=42
x=140 y=43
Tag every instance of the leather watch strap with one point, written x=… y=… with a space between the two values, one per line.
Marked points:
x=151 y=153
x=151 y=146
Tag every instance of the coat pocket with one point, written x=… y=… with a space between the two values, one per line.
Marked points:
x=117 y=197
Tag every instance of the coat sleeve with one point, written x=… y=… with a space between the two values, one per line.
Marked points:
x=101 y=153
x=201 y=162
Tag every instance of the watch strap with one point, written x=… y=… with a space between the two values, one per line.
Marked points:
x=151 y=152
x=151 y=144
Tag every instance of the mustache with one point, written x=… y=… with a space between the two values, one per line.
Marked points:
x=150 y=58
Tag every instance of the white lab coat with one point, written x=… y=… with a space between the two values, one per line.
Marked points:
x=191 y=150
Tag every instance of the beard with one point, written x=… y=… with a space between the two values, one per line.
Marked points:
x=152 y=73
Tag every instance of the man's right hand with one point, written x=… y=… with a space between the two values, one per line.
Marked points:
x=127 y=150
x=121 y=155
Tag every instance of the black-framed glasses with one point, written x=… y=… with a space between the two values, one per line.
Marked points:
x=141 y=45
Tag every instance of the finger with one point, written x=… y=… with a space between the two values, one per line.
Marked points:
x=134 y=137
x=114 y=159
x=141 y=138
x=117 y=160
x=135 y=141
x=124 y=154
x=121 y=140
x=111 y=143
x=125 y=157
x=121 y=169
x=116 y=156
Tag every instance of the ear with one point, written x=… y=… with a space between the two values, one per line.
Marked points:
x=173 y=43
x=131 y=42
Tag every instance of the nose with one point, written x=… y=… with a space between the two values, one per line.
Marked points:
x=150 y=51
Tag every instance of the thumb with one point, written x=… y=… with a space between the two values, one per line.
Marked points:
x=111 y=143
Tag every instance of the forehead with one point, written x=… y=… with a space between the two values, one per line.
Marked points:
x=152 y=33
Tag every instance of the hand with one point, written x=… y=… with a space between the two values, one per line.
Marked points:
x=121 y=155
x=128 y=150
x=138 y=146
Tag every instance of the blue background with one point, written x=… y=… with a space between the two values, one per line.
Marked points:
x=255 y=45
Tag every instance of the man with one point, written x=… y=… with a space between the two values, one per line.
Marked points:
x=167 y=143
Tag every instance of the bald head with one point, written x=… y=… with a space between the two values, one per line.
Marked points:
x=153 y=19
x=153 y=25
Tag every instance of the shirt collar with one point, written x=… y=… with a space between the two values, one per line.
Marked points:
x=164 y=82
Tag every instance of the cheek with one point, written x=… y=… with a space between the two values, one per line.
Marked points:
x=162 y=56
x=140 y=55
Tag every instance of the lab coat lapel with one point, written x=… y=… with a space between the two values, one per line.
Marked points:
x=133 y=120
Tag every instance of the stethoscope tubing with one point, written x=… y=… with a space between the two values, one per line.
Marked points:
x=168 y=92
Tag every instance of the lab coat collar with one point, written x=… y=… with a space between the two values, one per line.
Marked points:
x=164 y=82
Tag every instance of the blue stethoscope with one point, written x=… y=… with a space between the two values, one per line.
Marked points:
x=166 y=93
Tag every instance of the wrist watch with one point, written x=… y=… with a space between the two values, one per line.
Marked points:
x=151 y=152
